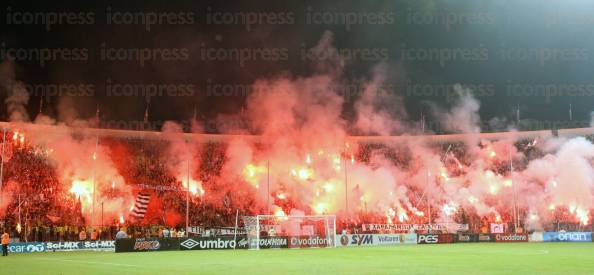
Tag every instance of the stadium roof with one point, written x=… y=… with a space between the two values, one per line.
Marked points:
x=40 y=129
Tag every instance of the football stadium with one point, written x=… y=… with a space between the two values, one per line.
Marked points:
x=311 y=137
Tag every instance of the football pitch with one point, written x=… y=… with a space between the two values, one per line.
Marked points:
x=475 y=258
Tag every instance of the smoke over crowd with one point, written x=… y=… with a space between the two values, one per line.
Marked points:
x=306 y=159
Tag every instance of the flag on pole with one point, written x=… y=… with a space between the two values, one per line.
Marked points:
x=141 y=205
x=195 y=116
x=146 y=111
x=422 y=123
x=518 y=113
x=146 y=114
x=41 y=105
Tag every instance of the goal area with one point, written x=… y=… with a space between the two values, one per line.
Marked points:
x=270 y=231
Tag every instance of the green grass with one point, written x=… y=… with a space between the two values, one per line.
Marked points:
x=477 y=258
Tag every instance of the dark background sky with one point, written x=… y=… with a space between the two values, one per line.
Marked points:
x=490 y=46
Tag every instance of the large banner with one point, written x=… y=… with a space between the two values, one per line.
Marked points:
x=452 y=227
x=497 y=228
x=567 y=236
x=375 y=239
x=216 y=231
x=60 y=246
x=146 y=244
x=511 y=238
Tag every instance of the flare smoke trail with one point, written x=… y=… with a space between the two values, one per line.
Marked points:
x=305 y=162
x=315 y=169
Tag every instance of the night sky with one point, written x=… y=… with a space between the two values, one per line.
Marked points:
x=538 y=55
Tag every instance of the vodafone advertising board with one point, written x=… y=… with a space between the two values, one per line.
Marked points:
x=310 y=241
x=511 y=238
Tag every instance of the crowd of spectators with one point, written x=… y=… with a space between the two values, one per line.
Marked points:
x=39 y=209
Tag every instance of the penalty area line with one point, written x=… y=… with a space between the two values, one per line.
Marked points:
x=91 y=262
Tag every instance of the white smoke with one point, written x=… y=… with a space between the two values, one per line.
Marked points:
x=17 y=95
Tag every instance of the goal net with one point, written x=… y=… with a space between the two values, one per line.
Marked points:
x=269 y=231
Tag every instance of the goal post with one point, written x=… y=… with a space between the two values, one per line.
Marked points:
x=270 y=231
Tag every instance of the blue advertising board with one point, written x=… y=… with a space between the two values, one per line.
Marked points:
x=26 y=247
x=31 y=247
x=567 y=237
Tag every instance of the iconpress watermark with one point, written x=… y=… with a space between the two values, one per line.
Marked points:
x=42 y=56
x=47 y=19
x=549 y=91
x=148 y=90
x=142 y=55
x=449 y=19
x=348 y=19
x=243 y=56
x=49 y=90
x=349 y=90
x=348 y=54
x=148 y=19
x=543 y=56
x=443 y=56
x=248 y=19
x=447 y=90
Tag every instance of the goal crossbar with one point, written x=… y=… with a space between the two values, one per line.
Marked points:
x=272 y=231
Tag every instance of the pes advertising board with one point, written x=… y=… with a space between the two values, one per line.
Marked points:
x=435 y=238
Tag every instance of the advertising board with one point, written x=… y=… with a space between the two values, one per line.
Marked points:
x=510 y=238
x=567 y=237
x=375 y=239
x=31 y=247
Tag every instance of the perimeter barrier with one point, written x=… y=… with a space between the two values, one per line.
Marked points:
x=241 y=242
x=195 y=243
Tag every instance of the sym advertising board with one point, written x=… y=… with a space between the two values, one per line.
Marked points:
x=375 y=239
